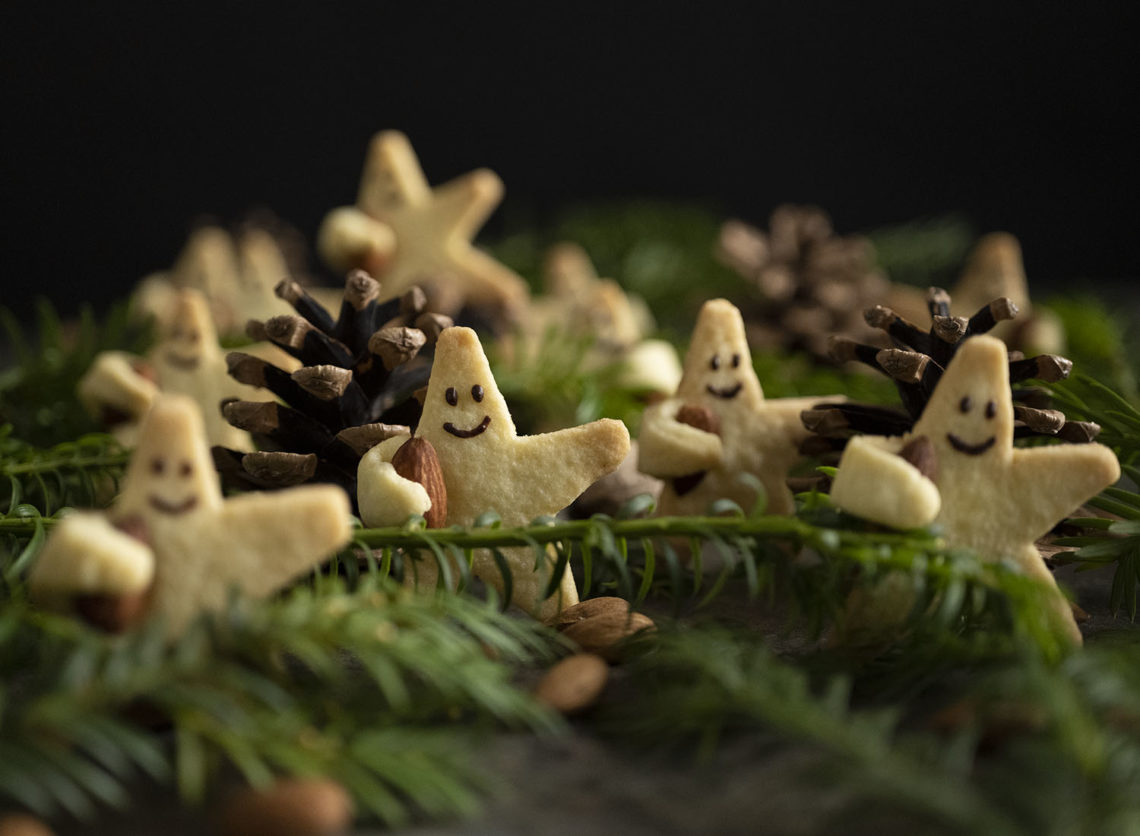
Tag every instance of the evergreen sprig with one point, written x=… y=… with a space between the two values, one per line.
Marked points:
x=382 y=690
x=634 y=557
x=84 y=473
x=1026 y=747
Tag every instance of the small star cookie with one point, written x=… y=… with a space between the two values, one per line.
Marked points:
x=236 y=274
x=189 y=545
x=487 y=466
x=405 y=232
x=187 y=360
x=718 y=425
x=992 y=497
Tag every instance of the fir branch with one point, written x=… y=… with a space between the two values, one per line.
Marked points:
x=703 y=686
x=84 y=473
x=380 y=689
x=924 y=252
x=956 y=588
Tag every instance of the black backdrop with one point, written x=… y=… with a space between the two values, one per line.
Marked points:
x=120 y=128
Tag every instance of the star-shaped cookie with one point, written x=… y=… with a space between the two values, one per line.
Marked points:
x=195 y=545
x=487 y=466
x=742 y=433
x=994 y=498
x=432 y=228
x=187 y=361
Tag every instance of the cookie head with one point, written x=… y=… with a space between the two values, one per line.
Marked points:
x=171 y=473
x=189 y=332
x=392 y=176
x=718 y=366
x=462 y=398
x=970 y=413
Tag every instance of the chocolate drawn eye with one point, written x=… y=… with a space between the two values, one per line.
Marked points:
x=735 y=361
x=157 y=465
x=965 y=404
x=714 y=362
x=451 y=395
x=185 y=469
x=477 y=393
x=991 y=409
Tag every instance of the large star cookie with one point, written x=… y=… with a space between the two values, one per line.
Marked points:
x=743 y=432
x=432 y=229
x=991 y=496
x=487 y=466
x=188 y=546
x=187 y=361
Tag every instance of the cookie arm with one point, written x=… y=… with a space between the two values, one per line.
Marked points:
x=668 y=448
x=113 y=382
x=384 y=496
x=564 y=463
x=1054 y=481
x=874 y=483
x=277 y=536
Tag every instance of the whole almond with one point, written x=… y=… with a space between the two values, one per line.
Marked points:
x=416 y=460
x=23 y=824
x=290 y=807
x=700 y=417
x=574 y=684
x=920 y=453
x=587 y=609
x=602 y=633
x=115 y=613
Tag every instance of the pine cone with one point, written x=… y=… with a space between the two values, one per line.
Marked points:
x=810 y=282
x=916 y=364
x=354 y=390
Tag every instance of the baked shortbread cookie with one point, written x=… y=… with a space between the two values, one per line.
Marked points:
x=718 y=426
x=487 y=466
x=186 y=361
x=236 y=274
x=404 y=232
x=993 y=497
x=172 y=535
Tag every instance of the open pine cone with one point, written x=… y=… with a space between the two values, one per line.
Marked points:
x=355 y=389
x=810 y=282
x=916 y=364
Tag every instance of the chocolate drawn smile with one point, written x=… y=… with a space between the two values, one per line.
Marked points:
x=471 y=433
x=180 y=361
x=970 y=449
x=731 y=392
x=160 y=504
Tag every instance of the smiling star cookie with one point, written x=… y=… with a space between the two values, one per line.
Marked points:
x=172 y=536
x=187 y=361
x=992 y=497
x=718 y=426
x=405 y=232
x=487 y=466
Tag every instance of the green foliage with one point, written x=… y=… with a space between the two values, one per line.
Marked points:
x=84 y=473
x=37 y=394
x=385 y=691
x=1030 y=747
x=924 y=252
x=1095 y=337
x=662 y=252
x=562 y=382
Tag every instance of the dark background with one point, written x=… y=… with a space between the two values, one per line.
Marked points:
x=121 y=128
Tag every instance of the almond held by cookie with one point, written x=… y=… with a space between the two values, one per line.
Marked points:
x=488 y=466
